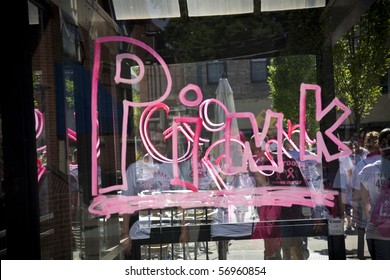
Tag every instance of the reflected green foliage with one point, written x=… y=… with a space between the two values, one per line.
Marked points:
x=285 y=75
x=135 y=97
x=361 y=59
x=136 y=111
x=69 y=92
x=244 y=36
x=211 y=38
x=36 y=84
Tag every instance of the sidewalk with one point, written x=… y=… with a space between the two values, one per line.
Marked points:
x=253 y=249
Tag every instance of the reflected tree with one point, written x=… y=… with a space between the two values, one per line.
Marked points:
x=361 y=60
x=285 y=75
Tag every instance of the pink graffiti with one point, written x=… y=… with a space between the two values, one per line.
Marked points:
x=106 y=205
x=144 y=121
x=95 y=77
x=39 y=125
x=196 y=89
x=281 y=196
x=320 y=113
x=72 y=135
x=176 y=180
x=41 y=169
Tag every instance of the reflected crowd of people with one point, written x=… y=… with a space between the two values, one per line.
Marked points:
x=363 y=179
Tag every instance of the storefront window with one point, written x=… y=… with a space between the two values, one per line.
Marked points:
x=258 y=70
x=215 y=70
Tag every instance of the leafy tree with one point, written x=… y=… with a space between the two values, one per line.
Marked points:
x=285 y=75
x=361 y=59
x=69 y=90
x=212 y=38
x=258 y=34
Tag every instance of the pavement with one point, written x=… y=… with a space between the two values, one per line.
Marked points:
x=254 y=249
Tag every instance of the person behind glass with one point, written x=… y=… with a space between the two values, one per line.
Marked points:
x=291 y=176
x=308 y=167
x=345 y=174
x=267 y=213
x=205 y=180
x=358 y=152
x=205 y=183
x=371 y=145
x=145 y=176
x=311 y=171
x=373 y=177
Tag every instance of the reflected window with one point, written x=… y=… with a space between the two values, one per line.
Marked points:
x=33 y=14
x=215 y=70
x=71 y=39
x=259 y=70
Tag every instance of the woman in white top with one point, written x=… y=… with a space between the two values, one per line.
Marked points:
x=374 y=177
